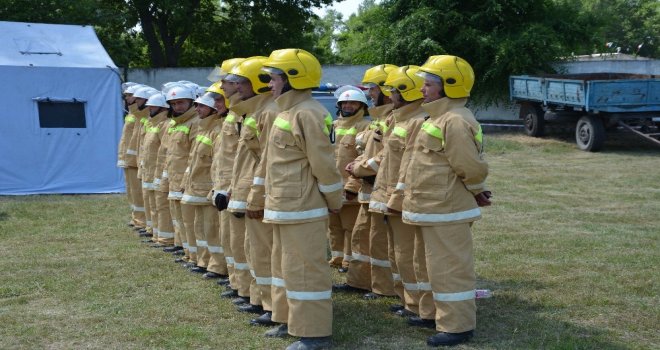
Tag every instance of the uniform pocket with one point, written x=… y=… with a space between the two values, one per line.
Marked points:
x=286 y=192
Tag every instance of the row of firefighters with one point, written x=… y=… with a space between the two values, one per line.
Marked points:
x=252 y=179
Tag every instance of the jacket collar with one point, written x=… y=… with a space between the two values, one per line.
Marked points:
x=380 y=112
x=158 y=118
x=144 y=113
x=184 y=117
x=443 y=105
x=257 y=102
x=132 y=108
x=292 y=97
x=408 y=111
x=207 y=122
x=341 y=121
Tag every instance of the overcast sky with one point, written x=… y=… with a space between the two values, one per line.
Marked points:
x=346 y=7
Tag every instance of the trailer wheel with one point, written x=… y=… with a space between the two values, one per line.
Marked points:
x=532 y=116
x=590 y=133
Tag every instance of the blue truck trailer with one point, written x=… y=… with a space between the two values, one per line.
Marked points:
x=592 y=102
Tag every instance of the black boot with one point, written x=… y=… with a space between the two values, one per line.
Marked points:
x=308 y=343
x=448 y=339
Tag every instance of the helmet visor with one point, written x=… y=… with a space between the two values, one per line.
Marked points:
x=273 y=70
x=428 y=76
x=234 y=78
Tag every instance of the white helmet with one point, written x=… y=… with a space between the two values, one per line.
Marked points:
x=131 y=89
x=179 y=91
x=145 y=92
x=350 y=93
x=201 y=90
x=157 y=100
x=126 y=85
x=206 y=100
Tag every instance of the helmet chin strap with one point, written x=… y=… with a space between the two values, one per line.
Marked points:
x=347 y=114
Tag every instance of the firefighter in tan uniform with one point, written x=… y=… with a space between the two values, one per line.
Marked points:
x=302 y=185
x=127 y=131
x=260 y=112
x=404 y=86
x=155 y=127
x=140 y=113
x=197 y=180
x=443 y=186
x=371 y=232
x=180 y=99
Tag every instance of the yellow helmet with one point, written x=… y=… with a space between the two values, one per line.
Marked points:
x=302 y=69
x=377 y=76
x=406 y=81
x=251 y=69
x=220 y=72
x=217 y=88
x=456 y=74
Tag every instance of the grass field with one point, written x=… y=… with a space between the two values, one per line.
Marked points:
x=569 y=248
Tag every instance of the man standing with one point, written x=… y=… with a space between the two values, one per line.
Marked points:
x=447 y=174
x=302 y=185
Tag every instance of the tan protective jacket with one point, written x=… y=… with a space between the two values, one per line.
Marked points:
x=161 y=181
x=178 y=150
x=346 y=130
x=370 y=141
x=446 y=167
x=197 y=181
x=408 y=119
x=126 y=133
x=261 y=113
x=154 y=130
x=225 y=152
x=302 y=180
x=132 y=147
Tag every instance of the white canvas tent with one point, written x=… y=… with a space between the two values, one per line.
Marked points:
x=61 y=114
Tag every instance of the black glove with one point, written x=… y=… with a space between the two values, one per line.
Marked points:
x=370 y=179
x=221 y=202
x=238 y=215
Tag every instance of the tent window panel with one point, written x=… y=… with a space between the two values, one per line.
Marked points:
x=62 y=114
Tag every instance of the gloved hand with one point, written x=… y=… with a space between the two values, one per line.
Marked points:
x=370 y=179
x=255 y=214
x=483 y=198
x=350 y=195
x=238 y=215
x=221 y=201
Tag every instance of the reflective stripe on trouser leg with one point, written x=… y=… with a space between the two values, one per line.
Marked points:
x=136 y=197
x=147 y=210
x=225 y=235
x=217 y=261
x=260 y=236
x=451 y=269
x=381 y=268
x=280 y=304
x=129 y=197
x=307 y=278
x=179 y=229
x=404 y=248
x=241 y=267
x=202 y=227
x=396 y=277
x=336 y=239
x=188 y=227
x=165 y=227
x=426 y=305
x=359 y=275
x=348 y=215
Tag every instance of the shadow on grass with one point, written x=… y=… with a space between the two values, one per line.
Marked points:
x=4 y=216
x=505 y=321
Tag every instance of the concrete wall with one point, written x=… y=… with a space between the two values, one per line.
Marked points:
x=349 y=74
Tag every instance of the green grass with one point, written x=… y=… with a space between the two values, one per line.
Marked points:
x=569 y=249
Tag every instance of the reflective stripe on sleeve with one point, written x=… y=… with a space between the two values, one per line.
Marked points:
x=425 y=286
x=174 y=195
x=309 y=295
x=277 y=282
x=372 y=164
x=121 y=164
x=400 y=132
x=400 y=186
x=237 y=205
x=380 y=206
x=131 y=152
x=461 y=215
x=164 y=174
x=258 y=181
x=331 y=188
x=380 y=263
x=204 y=139
x=295 y=215
x=364 y=197
x=194 y=199
x=460 y=296
x=475 y=186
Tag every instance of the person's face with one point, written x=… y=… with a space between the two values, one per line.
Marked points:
x=397 y=99
x=349 y=107
x=432 y=90
x=220 y=104
x=203 y=110
x=153 y=110
x=140 y=101
x=374 y=92
x=229 y=88
x=180 y=106
x=276 y=84
x=244 y=88
x=129 y=99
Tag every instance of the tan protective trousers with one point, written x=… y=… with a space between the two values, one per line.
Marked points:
x=137 y=202
x=151 y=214
x=205 y=223
x=129 y=194
x=379 y=248
x=225 y=240
x=165 y=225
x=149 y=224
x=217 y=261
x=188 y=216
x=260 y=238
x=306 y=278
x=241 y=266
x=359 y=275
x=179 y=229
x=396 y=276
x=340 y=231
x=449 y=256
x=408 y=248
